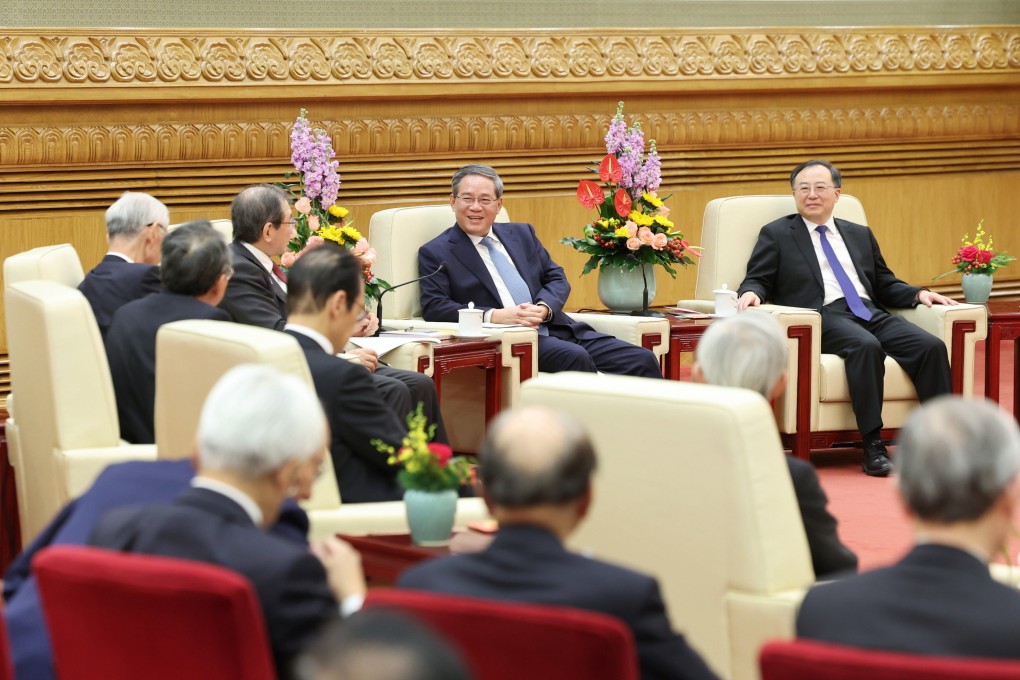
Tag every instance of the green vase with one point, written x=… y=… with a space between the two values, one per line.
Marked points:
x=976 y=287
x=622 y=290
x=430 y=515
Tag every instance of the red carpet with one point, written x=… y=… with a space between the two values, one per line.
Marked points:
x=871 y=521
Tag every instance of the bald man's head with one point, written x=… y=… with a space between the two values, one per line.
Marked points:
x=536 y=456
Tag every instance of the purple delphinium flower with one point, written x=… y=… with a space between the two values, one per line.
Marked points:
x=312 y=155
x=651 y=173
x=617 y=130
x=630 y=159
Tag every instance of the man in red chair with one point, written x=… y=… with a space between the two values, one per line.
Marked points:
x=536 y=477
x=958 y=476
x=261 y=435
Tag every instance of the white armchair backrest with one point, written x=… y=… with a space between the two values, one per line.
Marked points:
x=397 y=234
x=224 y=228
x=192 y=355
x=65 y=395
x=691 y=487
x=730 y=229
x=58 y=263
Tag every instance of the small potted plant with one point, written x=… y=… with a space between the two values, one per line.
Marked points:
x=430 y=476
x=977 y=262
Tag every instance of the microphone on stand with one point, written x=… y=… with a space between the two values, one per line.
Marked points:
x=378 y=306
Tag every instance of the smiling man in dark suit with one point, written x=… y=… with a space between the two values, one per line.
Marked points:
x=194 y=272
x=959 y=479
x=135 y=226
x=536 y=481
x=505 y=271
x=325 y=301
x=813 y=260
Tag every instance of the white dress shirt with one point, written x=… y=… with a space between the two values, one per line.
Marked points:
x=121 y=256
x=832 y=290
x=266 y=262
x=313 y=334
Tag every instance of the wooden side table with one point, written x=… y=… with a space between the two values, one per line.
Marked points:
x=1003 y=326
x=385 y=557
x=450 y=355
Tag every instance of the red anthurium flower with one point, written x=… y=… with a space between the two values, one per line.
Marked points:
x=590 y=194
x=622 y=202
x=442 y=452
x=610 y=170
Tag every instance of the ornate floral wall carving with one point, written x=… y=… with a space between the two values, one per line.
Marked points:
x=89 y=144
x=204 y=57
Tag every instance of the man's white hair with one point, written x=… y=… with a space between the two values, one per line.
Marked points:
x=256 y=418
x=747 y=350
x=134 y=211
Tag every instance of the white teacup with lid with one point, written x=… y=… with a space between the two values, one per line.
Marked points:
x=469 y=320
x=725 y=301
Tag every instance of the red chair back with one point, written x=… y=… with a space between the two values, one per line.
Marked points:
x=6 y=668
x=510 y=641
x=115 y=616
x=803 y=660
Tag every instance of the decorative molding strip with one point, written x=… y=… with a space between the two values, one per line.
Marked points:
x=89 y=144
x=209 y=57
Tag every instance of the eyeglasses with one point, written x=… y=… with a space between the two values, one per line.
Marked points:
x=484 y=201
x=162 y=227
x=363 y=313
x=819 y=189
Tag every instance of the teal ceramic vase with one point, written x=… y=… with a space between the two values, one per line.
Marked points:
x=622 y=290
x=430 y=515
x=976 y=287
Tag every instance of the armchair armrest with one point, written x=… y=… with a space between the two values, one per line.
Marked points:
x=703 y=306
x=959 y=327
x=803 y=330
x=632 y=329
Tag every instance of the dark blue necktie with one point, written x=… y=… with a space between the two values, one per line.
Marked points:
x=512 y=278
x=853 y=299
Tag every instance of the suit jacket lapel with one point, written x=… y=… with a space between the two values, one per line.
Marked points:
x=281 y=295
x=464 y=250
x=803 y=240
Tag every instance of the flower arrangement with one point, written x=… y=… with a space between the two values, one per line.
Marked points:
x=633 y=228
x=317 y=216
x=977 y=257
x=426 y=465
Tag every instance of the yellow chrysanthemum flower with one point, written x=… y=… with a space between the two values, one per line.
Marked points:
x=664 y=221
x=351 y=233
x=654 y=200
x=331 y=234
x=622 y=232
x=640 y=219
x=338 y=211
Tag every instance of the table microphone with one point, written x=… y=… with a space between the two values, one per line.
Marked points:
x=378 y=307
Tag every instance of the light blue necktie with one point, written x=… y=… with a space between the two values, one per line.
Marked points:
x=853 y=298
x=519 y=290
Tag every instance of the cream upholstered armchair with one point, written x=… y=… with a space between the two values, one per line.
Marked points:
x=397 y=234
x=816 y=411
x=210 y=349
x=699 y=496
x=64 y=430
x=59 y=263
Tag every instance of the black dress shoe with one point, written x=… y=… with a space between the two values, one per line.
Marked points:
x=876 y=460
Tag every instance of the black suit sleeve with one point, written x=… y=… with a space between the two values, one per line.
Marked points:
x=889 y=290
x=762 y=267
x=437 y=303
x=828 y=554
x=358 y=415
x=301 y=605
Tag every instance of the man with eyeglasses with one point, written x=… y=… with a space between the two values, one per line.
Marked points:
x=814 y=260
x=194 y=271
x=325 y=301
x=135 y=226
x=506 y=271
x=257 y=295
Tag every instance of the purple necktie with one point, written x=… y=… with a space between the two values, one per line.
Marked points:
x=853 y=299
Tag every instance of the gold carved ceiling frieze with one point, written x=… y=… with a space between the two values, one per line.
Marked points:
x=212 y=57
x=89 y=144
